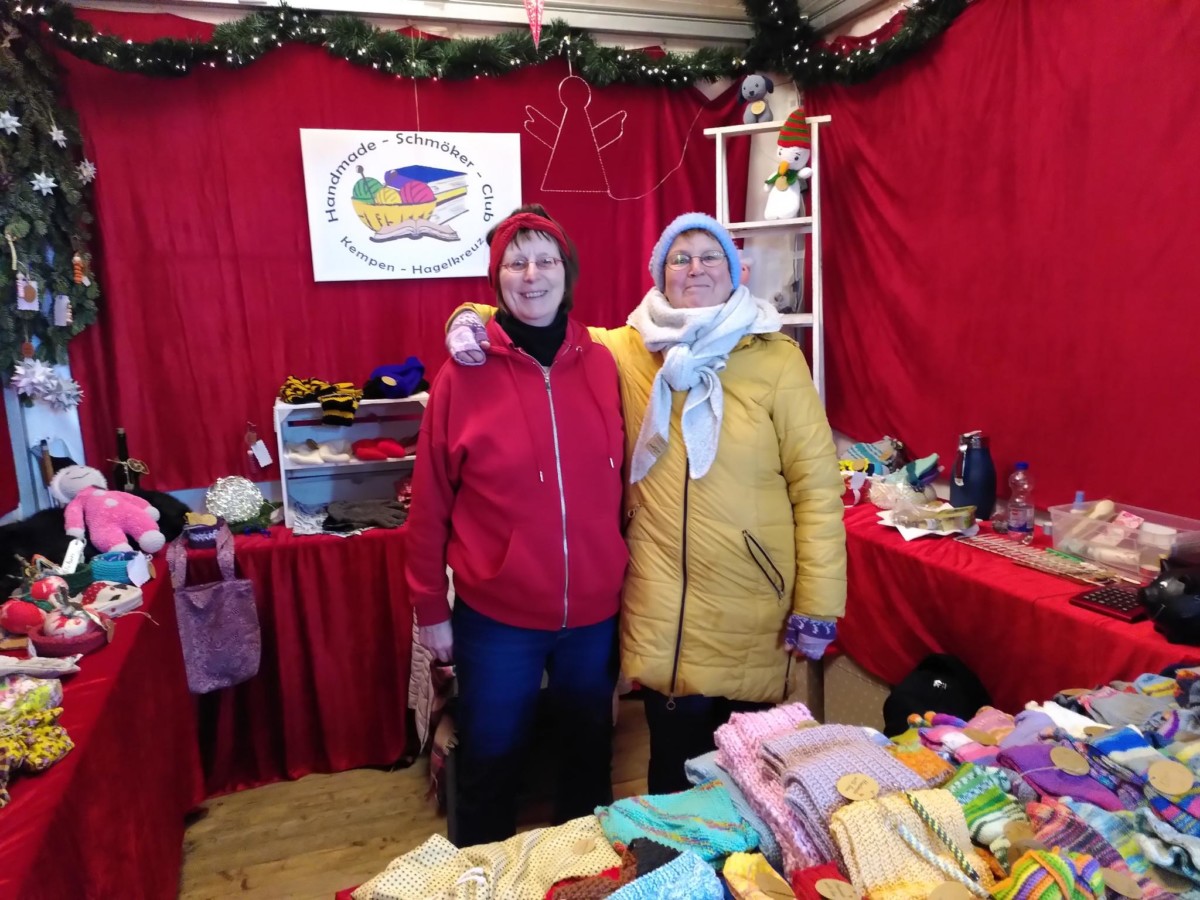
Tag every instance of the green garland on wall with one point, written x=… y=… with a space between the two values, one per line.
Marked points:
x=783 y=41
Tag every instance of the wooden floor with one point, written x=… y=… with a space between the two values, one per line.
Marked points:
x=311 y=838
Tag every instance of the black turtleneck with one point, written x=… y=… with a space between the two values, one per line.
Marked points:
x=539 y=341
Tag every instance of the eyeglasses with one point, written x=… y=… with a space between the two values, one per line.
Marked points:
x=543 y=264
x=710 y=259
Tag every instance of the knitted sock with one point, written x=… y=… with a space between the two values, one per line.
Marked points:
x=1120 y=830
x=804 y=882
x=738 y=743
x=1119 y=709
x=391 y=449
x=339 y=403
x=1173 y=725
x=1068 y=720
x=1127 y=749
x=686 y=876
x=705 y=768
x=1034 y=765
x=304 y=454
x=1155 y=685
x=702 y=820
x=931 y=768
x=366 y=450
x=1187 y=687
x=1056 y=826
x=1167 y=848
x=1029 y=727
x=986 y=807
x=1040 y=874
x=335 y=451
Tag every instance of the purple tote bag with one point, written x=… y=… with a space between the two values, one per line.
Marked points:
x=218 y=622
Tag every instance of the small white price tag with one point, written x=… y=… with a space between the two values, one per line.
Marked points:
x=73 y=558
x=261 y=454
x=139 y=569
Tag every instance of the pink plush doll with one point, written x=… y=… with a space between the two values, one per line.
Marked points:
x=108 y=516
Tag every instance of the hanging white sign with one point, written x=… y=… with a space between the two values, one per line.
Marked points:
x=406 y=204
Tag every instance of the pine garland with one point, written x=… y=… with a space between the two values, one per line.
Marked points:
x=43 y=232
x=783 y=41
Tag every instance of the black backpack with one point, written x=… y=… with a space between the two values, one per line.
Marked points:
x=940 y=683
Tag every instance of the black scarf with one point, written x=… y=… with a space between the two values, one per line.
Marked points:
x=539 y=341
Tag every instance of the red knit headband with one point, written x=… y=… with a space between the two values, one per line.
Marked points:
x=507 y=229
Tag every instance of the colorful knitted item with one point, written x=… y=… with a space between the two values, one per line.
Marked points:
x=986 y=807
x=1068 y=720
x=339 y=404
x=1126 y=749
x=817 y=758
x=31 y=740
x=1173 y=725
x=1121 y=832
x=1153 y=685
x=702 y=820
x=908 y=750
x=1056 y=826
x=705 y=768
x=1034 y=764
x=804 y=882
x=302 y=390
x=1042 y=875
x=779 y=752
x=650 y=855
x=1029 y=727
x=738 y=744
x=1112 y=707
x=1167 y=848
x=686 y=878
x=880 y=862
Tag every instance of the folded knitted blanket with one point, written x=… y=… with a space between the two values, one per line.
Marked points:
x=686 y=878
x=705 y=768
x=882 y=865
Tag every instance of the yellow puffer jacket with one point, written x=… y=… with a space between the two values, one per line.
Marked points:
x=717 y=564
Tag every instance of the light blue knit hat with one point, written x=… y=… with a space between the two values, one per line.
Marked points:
x=689 y=222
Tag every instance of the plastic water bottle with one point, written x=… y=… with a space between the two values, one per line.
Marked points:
x=1020 y=504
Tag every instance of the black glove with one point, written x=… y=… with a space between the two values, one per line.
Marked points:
x=348 y=515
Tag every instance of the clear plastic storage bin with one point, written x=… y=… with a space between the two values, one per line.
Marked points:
x=1133 y=551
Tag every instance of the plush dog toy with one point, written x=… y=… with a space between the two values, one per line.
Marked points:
x=754 y=91
x=105 y=516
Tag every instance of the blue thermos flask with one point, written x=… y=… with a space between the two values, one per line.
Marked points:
x=974 y=481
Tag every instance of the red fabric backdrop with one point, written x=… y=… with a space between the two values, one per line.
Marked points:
x=10 y=491
x=209 y=297
x=1009 y=246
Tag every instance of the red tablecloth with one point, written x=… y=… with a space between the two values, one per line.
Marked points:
x=332 y=691
x=1012 y=625
x=107 y=820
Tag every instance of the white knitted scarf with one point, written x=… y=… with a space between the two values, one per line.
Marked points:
x=696 y=344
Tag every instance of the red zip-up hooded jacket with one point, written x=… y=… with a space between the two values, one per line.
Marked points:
x=517 y=487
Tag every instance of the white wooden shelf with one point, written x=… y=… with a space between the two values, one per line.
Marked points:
x=297 y=470
x=746 y=229
x=420 y=399
x=761 y=127
x=797 y=320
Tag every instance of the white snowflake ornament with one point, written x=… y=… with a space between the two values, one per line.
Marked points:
x=58 y=136
x=64 y=394
x=32 y=377
x=87 y=171
x=44 y=183
x=9 y=122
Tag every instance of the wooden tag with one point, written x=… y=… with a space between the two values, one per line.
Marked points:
x=1093 y=730
x=980 y=737
x=858 y=787
x=584 y=846
x=781 y=184
x=1019 y=831
x=1121 y=883
x=1070 y=761
x=758 y=107
x=1076 y=692
x=772 y=886
x=950 y=890
x=388 y=380
x=832 y=889
x=1170 y=777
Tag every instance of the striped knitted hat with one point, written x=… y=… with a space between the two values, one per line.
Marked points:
x=794 y=132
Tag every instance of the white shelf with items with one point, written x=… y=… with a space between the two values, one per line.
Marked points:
x=353 y=479
x=809 y=224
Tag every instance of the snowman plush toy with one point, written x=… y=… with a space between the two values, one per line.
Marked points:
x=784 y=200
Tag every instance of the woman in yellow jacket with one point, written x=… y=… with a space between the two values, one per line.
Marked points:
x=733 y=509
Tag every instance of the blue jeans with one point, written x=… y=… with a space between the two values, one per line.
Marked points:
x=499 y=686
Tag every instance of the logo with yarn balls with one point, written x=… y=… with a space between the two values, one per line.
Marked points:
x=410 y=203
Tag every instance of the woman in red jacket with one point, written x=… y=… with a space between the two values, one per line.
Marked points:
x=517 y=488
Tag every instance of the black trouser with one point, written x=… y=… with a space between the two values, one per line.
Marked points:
x=499 y=687
x=684 y=732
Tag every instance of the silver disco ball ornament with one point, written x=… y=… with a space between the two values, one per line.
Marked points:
x=234 y=498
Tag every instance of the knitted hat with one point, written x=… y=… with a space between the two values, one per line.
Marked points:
x=692 y=222
x=504 y=233
x=795 y=131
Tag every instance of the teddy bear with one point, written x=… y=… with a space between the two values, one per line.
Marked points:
x=105 y=516
x=754 y=91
